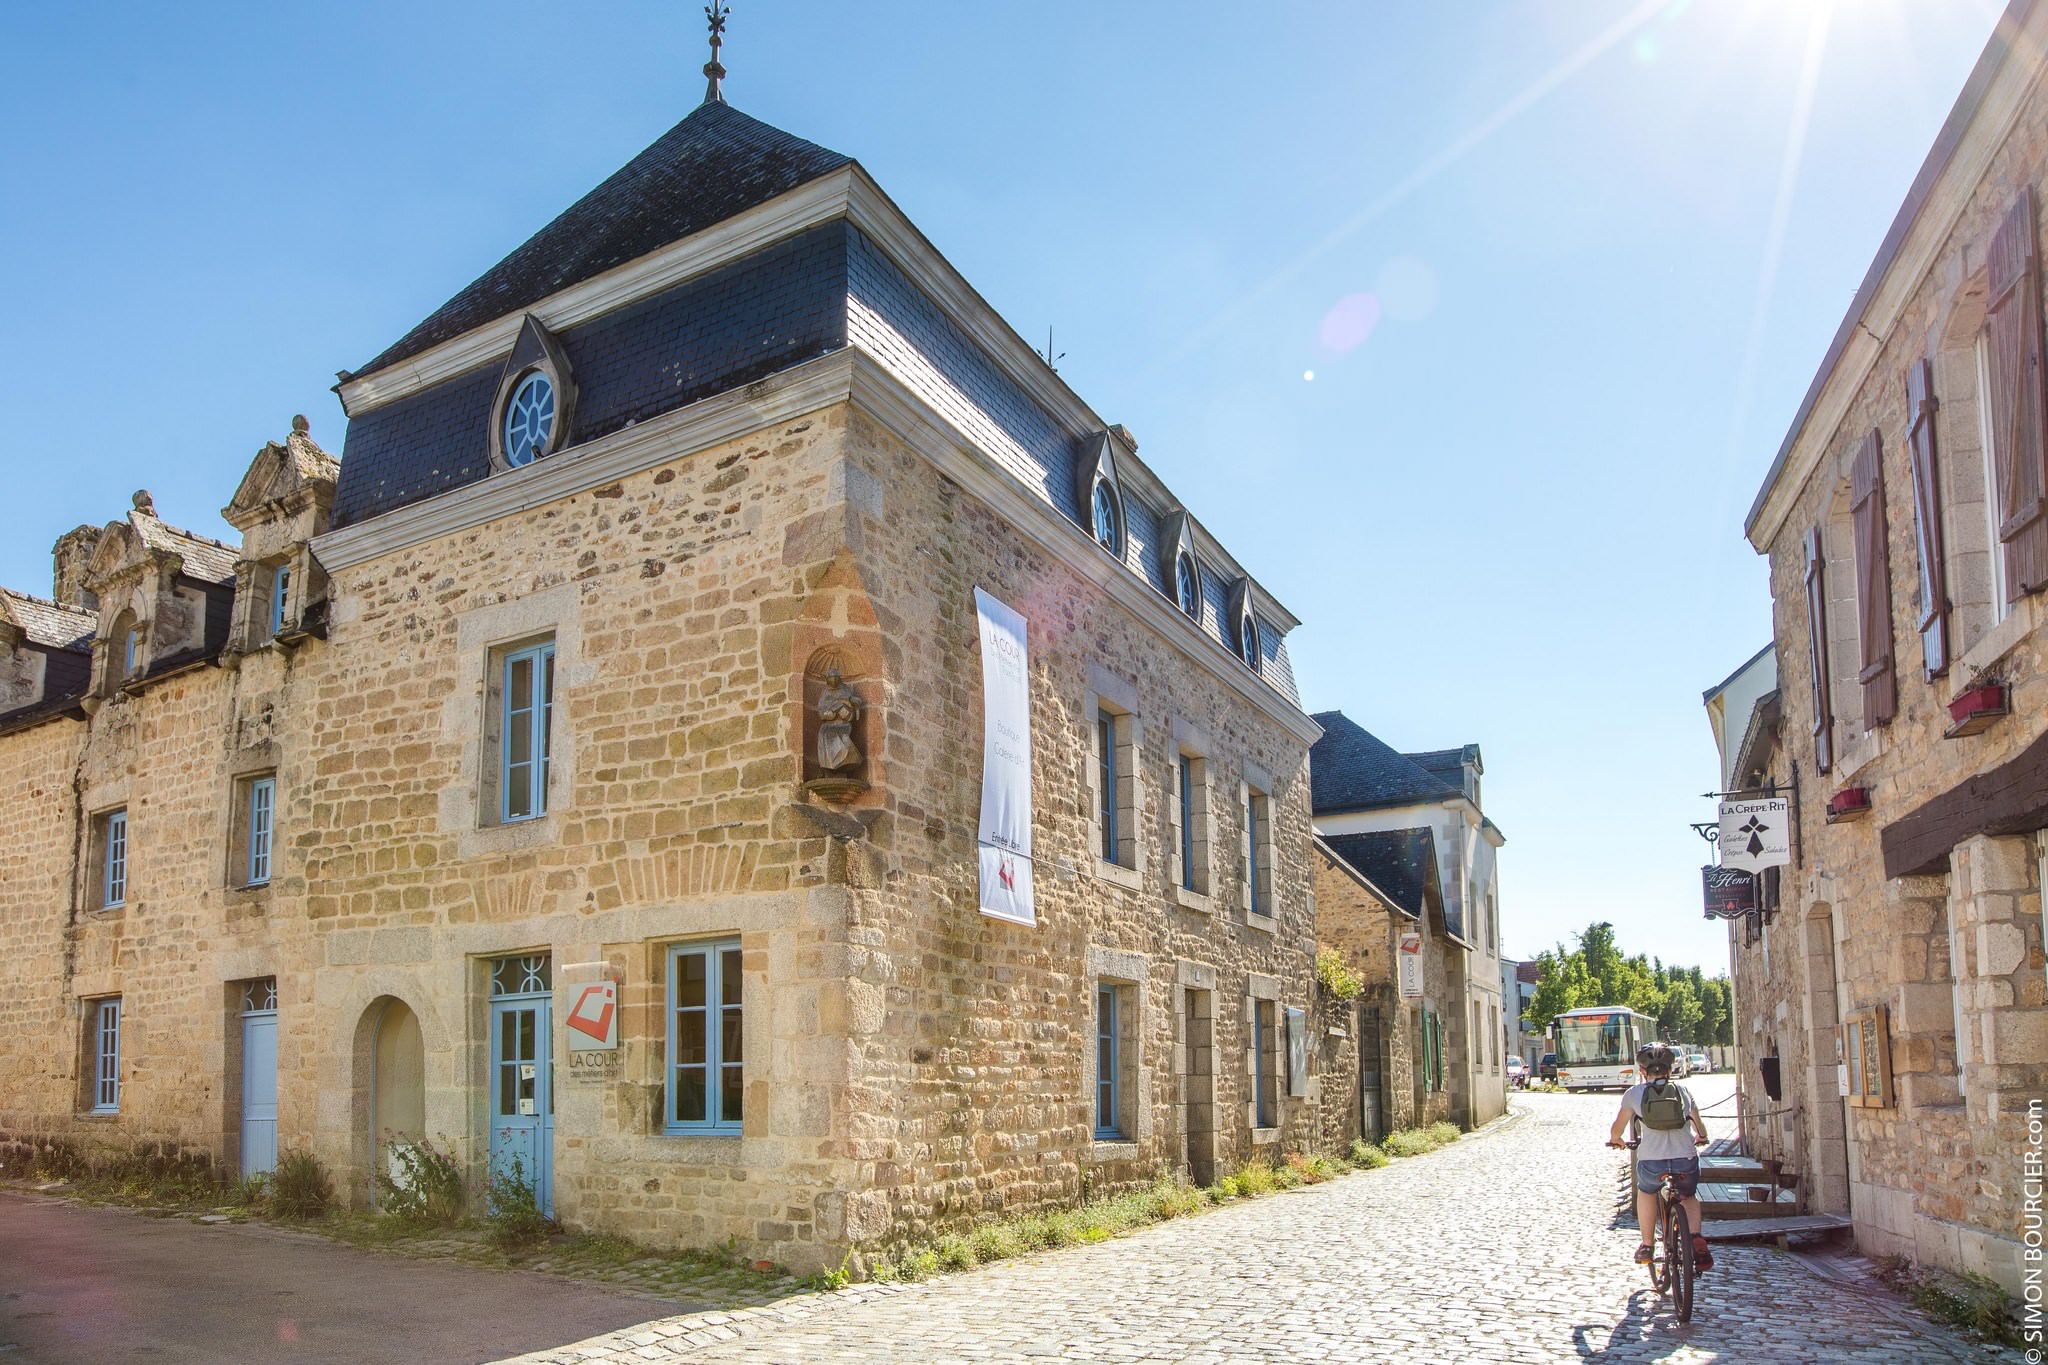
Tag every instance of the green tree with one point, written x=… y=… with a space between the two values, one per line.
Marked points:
x=1561 y=984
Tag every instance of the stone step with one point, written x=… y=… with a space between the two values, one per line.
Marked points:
x=1730 y=1201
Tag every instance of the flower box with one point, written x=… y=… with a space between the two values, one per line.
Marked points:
x=1977 y=708
x=1848 y=804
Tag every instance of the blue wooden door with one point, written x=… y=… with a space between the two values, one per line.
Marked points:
x=259 y=1077
x=522 y=1079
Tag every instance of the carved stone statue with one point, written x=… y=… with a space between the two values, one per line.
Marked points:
x=838 y=712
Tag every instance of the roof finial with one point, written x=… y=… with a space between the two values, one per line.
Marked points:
x=717 y=12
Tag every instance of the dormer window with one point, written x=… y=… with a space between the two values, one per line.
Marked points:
x=1248 y=641
x=1187 y=586
x=280 y=586
x=1109 y=530
x=529 y=419
x=129 y=650
x=534 y=415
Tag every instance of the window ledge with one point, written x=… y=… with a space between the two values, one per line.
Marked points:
x=1993 y=646
x=1193 y=900
x=707 y=1138
x=1258 y=921
x=1264 y=1136
x=488 y=840
x=1117 y=873
x=1865 y=750
x=1110 y=1149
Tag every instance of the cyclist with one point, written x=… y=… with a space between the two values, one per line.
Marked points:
x=1665 y=1109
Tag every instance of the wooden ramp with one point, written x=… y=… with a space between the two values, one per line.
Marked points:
x=1772 y=1229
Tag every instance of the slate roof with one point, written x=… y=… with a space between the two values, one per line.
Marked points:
x=1400 y=863
x=1446 y=765
x=204 y=559
x=50 y=625
x=714 y=164
x=1352 y=769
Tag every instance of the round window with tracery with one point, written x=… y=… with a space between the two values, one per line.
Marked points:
x=529 y=420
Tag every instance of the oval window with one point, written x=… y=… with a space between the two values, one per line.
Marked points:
x=529 y=420
x=1187 y=590
x=1106 y=531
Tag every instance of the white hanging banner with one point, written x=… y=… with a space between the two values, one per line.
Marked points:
x=1005 y=837
x=1410 y=959
x=1756 y=833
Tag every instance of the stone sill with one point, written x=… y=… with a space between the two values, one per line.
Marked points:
x=1258 y=921
x=1117 y=874
x=1996 y=643
x=1110 y=1149
x=488 y=840
x=1855 y=757
x=1264 y=1137
x=1193 y=900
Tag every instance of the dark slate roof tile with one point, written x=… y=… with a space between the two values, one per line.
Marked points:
x=1351 y=769
x=1401 y=863
x=713 y=165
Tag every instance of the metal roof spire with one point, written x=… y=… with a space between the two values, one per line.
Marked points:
x=714 y=72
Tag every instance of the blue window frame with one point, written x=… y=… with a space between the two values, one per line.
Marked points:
x=280 y=586
x=1187 y=822
x=706 y=1072
x=1254 y=835
x=1107 y=1123
x=1105 y=746
x=527 y=699
x=529 y=420
x=114 y=887
x=262 y=807
x=1187 y=586
x=106 y=1052
x=1108 y=525
x=1263 y=1069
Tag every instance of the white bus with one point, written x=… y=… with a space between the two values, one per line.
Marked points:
x=1596 y=1047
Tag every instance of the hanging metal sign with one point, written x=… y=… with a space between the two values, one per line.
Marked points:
x=1756 y=833
x=1730 y=892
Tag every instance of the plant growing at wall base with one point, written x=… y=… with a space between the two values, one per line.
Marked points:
x=299 y=1187
x=420 y=1183
x=512 y=1213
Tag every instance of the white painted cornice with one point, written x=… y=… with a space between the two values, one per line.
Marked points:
x=2006 y=99
x=712 y=421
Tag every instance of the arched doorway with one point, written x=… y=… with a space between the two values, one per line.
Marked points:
x=398 y=1097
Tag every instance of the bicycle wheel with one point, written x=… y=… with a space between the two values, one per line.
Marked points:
x=1681 y=1258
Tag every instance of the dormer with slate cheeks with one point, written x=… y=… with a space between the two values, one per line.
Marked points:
x=731 y=275
x=165 y=597
x=45 y=657
x=285 y=499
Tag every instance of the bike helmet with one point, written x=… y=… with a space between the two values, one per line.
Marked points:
x=1655 y=1059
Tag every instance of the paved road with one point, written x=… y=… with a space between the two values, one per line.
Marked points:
x=1504 y=1247
x=82 y=1284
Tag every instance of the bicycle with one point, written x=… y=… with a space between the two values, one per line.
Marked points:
x=1672 y=1270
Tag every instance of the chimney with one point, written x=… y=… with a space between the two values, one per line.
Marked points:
x=71 y=555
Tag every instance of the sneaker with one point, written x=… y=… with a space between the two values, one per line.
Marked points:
x=1643 y=1254
x=1702 y=1255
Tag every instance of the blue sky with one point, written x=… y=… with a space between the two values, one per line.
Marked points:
x=1560 y=270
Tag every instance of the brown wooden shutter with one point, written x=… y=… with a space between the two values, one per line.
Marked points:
x=1817 y=641
x=1873 y=585
x=2019 y=448
x=1933 y=614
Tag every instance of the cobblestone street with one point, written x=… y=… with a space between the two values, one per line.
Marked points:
x=1503 y=1247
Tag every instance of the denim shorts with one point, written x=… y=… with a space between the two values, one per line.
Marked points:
x=1685 y=1175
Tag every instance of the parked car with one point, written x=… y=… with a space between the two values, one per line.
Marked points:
x=1546 y=1067
x=1679 y=1070
x=1518 y=1071
x=1700 y=1064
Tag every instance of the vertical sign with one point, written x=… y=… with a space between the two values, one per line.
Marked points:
x=1410 y=958
x=1297 y=1051
x=1005 y=837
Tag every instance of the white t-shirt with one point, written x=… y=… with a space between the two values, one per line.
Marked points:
x=1662 y=1144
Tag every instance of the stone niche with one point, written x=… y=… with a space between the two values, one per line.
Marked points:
x=840 y=726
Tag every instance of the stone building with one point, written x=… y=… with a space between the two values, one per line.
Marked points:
x=1412 y=825
x=623 y=685
x=1900 y=988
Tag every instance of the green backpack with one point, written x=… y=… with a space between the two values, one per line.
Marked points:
x=1663 y=1106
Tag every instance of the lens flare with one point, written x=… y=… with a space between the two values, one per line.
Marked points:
x=1346 y=326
